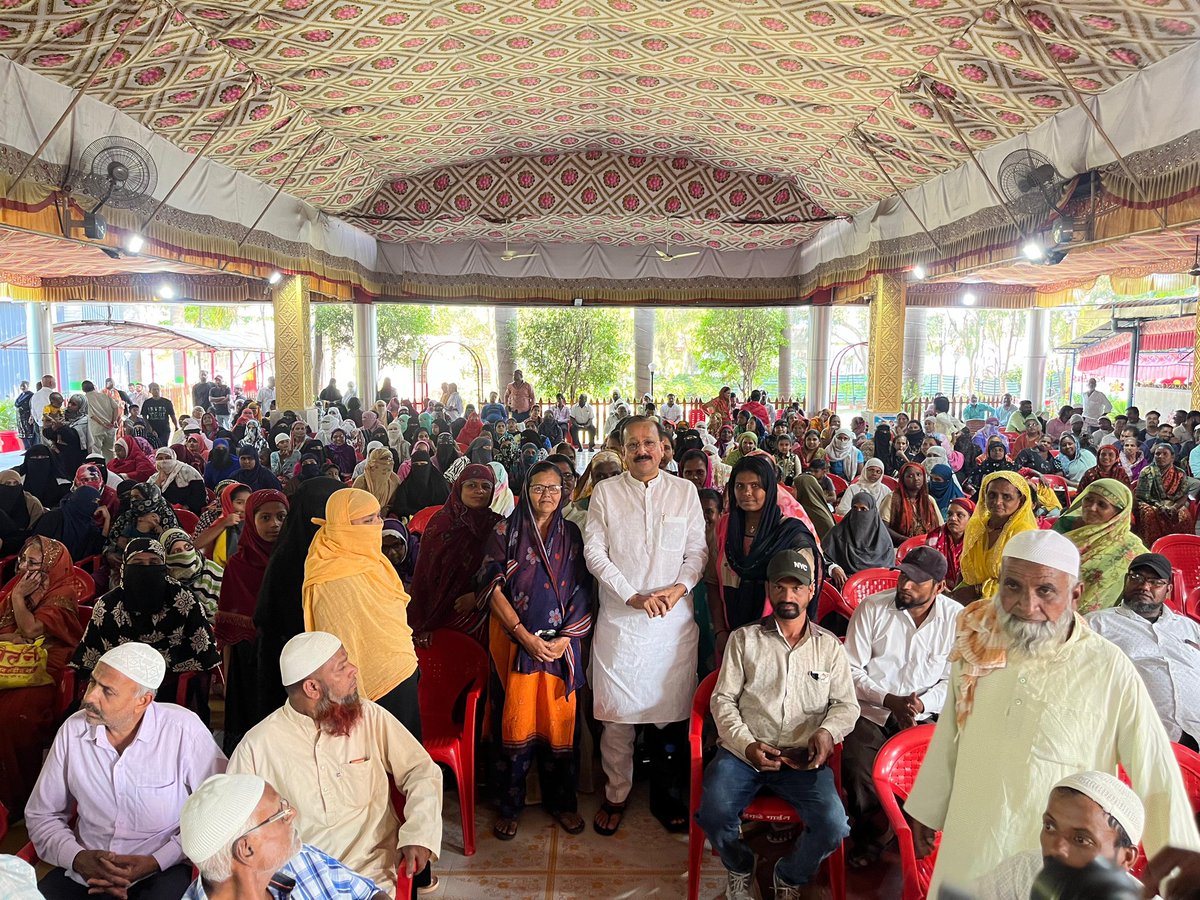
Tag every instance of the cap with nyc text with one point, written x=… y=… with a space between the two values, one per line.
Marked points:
x=791 y=564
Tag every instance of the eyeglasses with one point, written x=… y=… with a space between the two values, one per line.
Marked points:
x=539 y=489
x=1139 y=578
x=285 y=811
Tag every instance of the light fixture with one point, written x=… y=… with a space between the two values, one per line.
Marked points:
x=165 y=291
x=918 y=272
x=969 y=298
x=578 y=301
x=1033 y=251
x=275 y=277
x=134 y=244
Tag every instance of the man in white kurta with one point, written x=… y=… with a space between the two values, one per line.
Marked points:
x=1070 y=702
x=645 y=544
x=339 y=781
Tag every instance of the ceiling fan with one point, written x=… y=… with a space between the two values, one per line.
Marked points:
x=668 y=256
x=509 y=255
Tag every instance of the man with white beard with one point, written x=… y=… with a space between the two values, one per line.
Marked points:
x=1035 y=695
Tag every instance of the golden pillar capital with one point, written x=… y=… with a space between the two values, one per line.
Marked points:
x=293 y=349
x=885 y=352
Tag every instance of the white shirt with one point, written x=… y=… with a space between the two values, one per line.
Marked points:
x=642 y=537
x=266 y=396
x=1166 y=653
x=1074 y=708
x=1013 y=879
x=582 y=415
x=562 y=414
x=40 y=400
x=671 y=412
x=454 y=405
x=1095 y=405
x=889 y=654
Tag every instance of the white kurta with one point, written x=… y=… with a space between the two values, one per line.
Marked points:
x=1035 y=722
x=639 y=538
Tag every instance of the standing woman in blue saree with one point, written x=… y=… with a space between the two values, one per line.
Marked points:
x=539 y=587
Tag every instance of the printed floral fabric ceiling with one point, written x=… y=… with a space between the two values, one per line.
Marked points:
x=735 y=124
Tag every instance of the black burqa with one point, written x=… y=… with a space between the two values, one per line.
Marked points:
x=860 y=541
x=279 y=613
x=423 y=486
x=776 y=532
x=41 y=473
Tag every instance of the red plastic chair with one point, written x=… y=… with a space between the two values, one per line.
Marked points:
x=1191 y=608
x=1189 y=768
x=1058 y=483
x=764 y=808
x=403 y=882
x=89 y=583
x=863 y=584
x=453 y=666
x=1183 y=550
x=3 y=821
x=839 y=484
x=909 y=546
x=188 y=520
x=890 y=482
x=896 y=768
x=90 y=564
x=829 y=601
x=420 y=521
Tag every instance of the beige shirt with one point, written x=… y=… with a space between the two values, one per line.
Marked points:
x=1035 y=721
x=340 y=787
x=772 y=692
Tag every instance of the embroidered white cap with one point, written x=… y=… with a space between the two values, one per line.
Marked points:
x=1045 y=548
x=304 y=654
x=141 y=662
x=214 y=816
x=1113 y=796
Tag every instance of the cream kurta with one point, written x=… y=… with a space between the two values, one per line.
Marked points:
x=1035 y=722
x=639 y=538
x=339 y=785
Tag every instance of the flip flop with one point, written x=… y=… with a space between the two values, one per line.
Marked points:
x=610 y=810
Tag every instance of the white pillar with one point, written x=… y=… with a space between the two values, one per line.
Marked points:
x=915 y=342
x=366 y=351
x=506 y=327
x=39 y=328
x=643 y=350
x=820 y=318
x=1033 y=385
x=785 y=357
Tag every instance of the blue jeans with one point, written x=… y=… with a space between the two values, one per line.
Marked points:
x=730 y=785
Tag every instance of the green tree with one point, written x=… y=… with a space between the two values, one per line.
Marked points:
x=740 y=345
x=574 y=350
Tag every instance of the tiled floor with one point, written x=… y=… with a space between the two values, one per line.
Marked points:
x=545 y=863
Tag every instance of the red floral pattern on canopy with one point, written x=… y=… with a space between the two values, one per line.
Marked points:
x=410 y=92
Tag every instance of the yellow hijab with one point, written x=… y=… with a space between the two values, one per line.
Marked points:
x=340 y=549
x=980 y=564
x=378 y=477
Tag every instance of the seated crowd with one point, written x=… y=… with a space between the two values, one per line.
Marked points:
x=298 y=570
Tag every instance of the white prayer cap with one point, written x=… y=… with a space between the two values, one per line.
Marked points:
x=1045 y=548
x=141 y=662
x=305 y=653
x=374 y=445
x=1113 y=796
x=214 y=816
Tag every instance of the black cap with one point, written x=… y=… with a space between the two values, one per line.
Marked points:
x=924 y=564
x=796 y=564
x=1156 y=562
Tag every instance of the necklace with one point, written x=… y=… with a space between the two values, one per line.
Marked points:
x=752 y=530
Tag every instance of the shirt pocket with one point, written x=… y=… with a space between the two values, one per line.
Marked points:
x=356 y=783
x=156 y=803
x=671 y=535
x=814 y=693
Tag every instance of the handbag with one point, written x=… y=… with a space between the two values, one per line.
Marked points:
x=24 y=665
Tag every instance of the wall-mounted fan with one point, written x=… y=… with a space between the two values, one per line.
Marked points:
x=117 y=172
x=1031 y=185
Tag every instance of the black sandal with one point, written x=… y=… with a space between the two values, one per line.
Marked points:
x=505 y=835
x=609 y=810
x=561 y=818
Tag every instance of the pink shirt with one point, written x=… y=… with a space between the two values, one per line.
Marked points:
x=127 y=803
x=519 y=396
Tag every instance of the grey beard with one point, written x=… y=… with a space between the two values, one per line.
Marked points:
x=1033 y=638
x=1144 y=609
